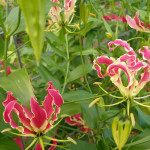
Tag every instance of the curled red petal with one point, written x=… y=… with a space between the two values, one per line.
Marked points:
x=102 y=60
x=9 y=98
x=131 y=22
x=132 y=62
x=19 y=142
x=7 y=114
x=27 y=112
x=39 y=120
x=22 y=117
x=136 y=23
x=113 y=70
x=119 y=42
x=48 y=105
x=57 y=97
x=57 y=110
x=146 y=75
x=145 y=53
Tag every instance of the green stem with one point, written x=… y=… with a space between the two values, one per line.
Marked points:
x=112 y=104
x=135 y=38
x=98 y=121
x=31 y=143
x=83 y=65
x=140 y=104
x=128 y=107
x=53 y=139
x=5 y=54
x=41 y=142
x=109 y=93
x=17 y=49
x=68 y=63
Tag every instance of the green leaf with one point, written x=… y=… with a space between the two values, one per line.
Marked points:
x=78 y=72
x=46 y=75
x=88 y=27
x=34 y=15
x=49 y=60
x=70 y=109
x=76 y=95
x=52 y=37
x=19 y=83
x=56 y=50
x=90 y=114
x=12 y=20
x=143 y=118
x=7 y=143
x=82 y=145
x=140 y=141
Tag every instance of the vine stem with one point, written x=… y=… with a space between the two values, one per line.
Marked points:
x=128 y=107
x=83 y=64
x=109 y=93
x=5 y=54
x=68 y=63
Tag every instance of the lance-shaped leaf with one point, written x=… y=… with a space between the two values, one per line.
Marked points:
x=34 y=15
x=18 y=83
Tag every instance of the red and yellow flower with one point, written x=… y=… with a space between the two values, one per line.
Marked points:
x=130 y=64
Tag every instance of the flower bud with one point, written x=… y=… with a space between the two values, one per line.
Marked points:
x=121 y=128
x=85 y=12
x=109 y=35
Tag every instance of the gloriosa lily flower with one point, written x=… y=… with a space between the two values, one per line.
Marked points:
x=130 y=64
x=37 y=122
x=135 y=23
x=76 y=120
x=57 y=19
